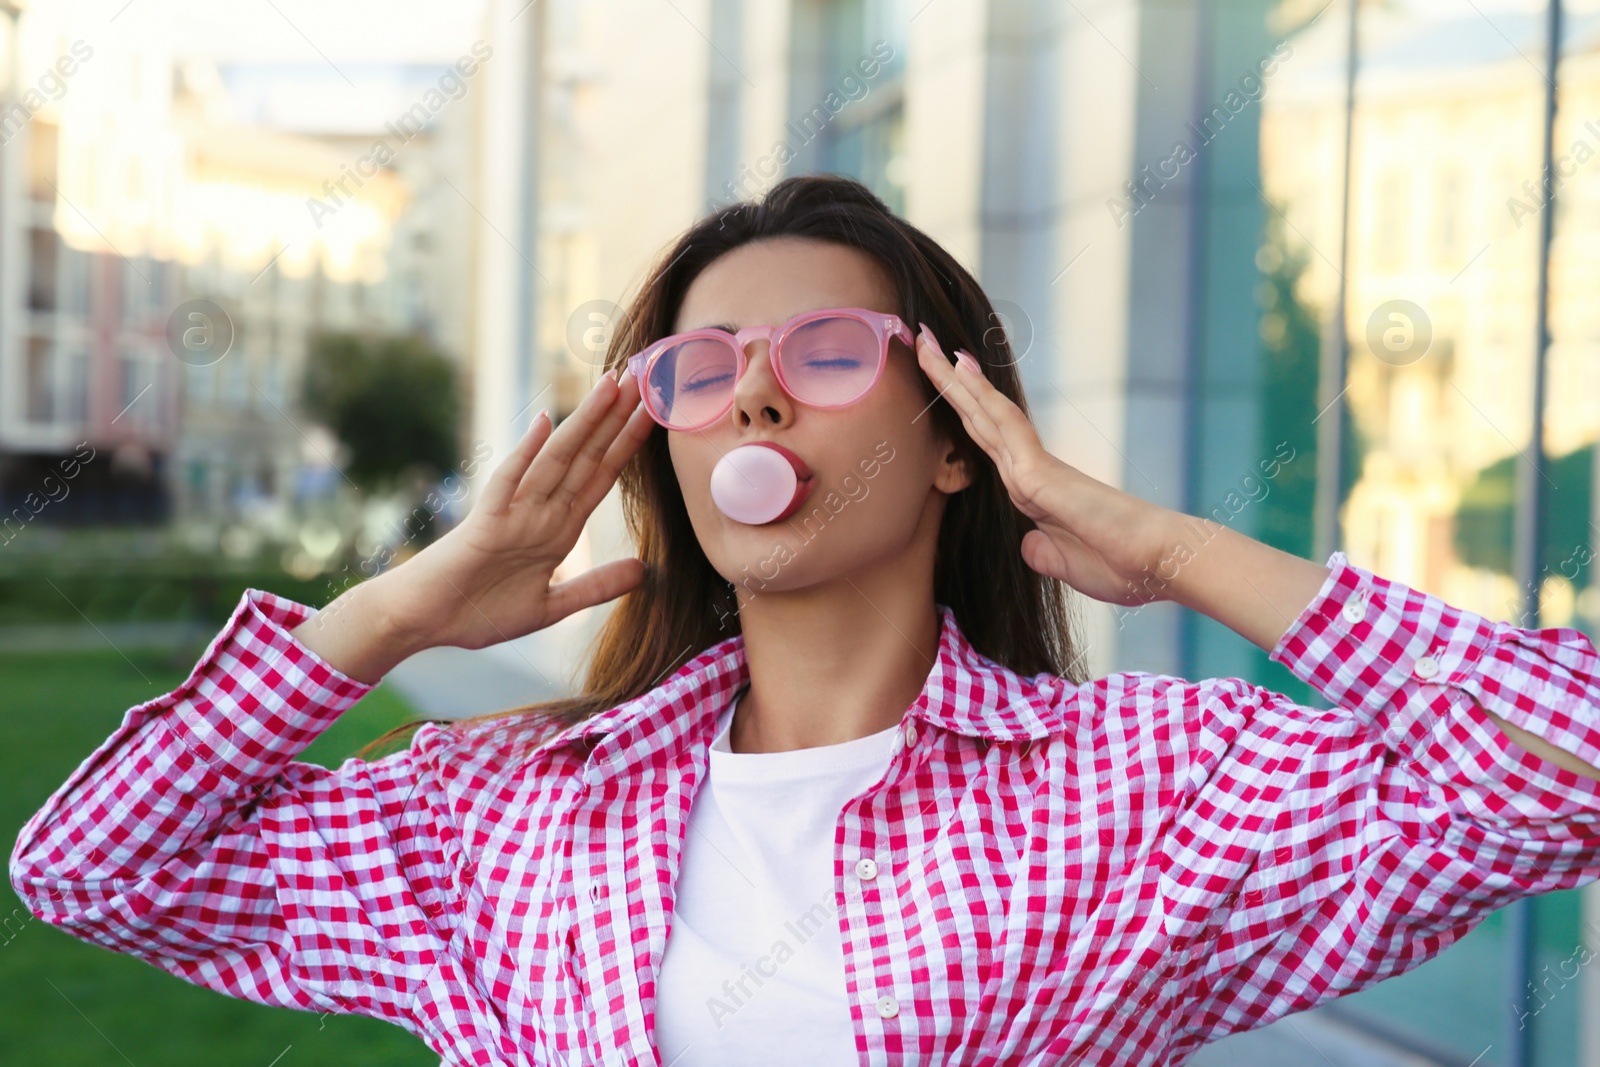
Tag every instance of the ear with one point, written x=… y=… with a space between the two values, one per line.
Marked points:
x=954 y=473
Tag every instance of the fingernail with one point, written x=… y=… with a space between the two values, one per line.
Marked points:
x=627 y=372
x=964 y=360
x=932 y=340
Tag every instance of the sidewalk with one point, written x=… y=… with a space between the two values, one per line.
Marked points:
x=456 y=683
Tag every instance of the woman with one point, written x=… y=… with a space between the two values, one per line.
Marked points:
x=835 y=791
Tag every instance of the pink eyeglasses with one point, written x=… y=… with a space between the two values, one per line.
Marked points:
x=829 y=358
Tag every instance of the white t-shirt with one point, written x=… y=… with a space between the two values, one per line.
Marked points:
x=754 y=965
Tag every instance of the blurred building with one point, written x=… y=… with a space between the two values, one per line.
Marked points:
x=82 y=370
x=146 y=182
x=251 y=247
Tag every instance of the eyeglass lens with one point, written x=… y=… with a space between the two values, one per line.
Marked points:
x=826 y=362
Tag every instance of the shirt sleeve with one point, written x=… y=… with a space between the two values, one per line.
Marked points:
x=1316 y=852
x=193 y=840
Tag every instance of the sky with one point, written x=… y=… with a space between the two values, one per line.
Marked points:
x=290 y=31
x=338 y=32
x=315 y=66
x=290 y=63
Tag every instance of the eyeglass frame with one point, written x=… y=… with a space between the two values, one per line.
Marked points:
x=884 y=324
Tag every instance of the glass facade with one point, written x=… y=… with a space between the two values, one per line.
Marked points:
x=1436 y=258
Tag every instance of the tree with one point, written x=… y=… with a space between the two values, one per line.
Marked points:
x=392 y=400
x=1483 y=529
x=1291 y=353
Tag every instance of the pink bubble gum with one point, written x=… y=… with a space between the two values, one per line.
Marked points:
x=760 y=482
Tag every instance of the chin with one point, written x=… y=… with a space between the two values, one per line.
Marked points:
x=763 y=559
x=787 y=563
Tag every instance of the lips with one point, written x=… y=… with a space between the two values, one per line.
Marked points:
x=804 y=476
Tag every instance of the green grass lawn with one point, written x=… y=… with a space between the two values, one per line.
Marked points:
x=64 y=1002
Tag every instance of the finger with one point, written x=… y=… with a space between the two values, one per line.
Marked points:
x=597 y=586
x=961 y=391
x=505 y=477
x=586 y=466
x=1003 y=429
x=1001 y=420
x=567 y=441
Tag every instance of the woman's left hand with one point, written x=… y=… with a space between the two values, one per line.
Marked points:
x=1103 y=542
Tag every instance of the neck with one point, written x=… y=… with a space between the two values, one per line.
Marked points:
x=830 y=668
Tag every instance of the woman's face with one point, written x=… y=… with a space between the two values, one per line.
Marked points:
x=882 y=473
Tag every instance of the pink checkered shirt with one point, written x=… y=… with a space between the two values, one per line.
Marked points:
x=1116 y=872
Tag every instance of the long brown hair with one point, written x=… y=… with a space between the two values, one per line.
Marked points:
x=1007 y=611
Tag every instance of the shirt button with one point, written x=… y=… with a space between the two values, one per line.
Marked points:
x=866 y=869
x=888 y=1007
x=1426 y=667
x=911 y=734
x=1356 y=609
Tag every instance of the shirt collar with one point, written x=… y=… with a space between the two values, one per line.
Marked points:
x=965 y=692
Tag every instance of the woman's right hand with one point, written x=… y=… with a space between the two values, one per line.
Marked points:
x=488 y=579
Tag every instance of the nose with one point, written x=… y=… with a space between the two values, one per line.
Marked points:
x=757 y=396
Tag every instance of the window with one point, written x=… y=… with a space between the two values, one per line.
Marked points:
x=234 y=370
x=38 y=385
x=200 y=385
x=75 y=282
x=75 y=389
x=43 y=259
x=141 y=289
x=1391 y=219
x=42 y=161
x=1447 y=244
x=134 y=404
x=272 y=381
